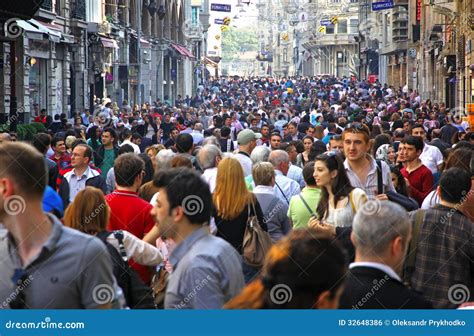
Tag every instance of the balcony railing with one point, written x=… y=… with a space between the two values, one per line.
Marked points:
x=78 y=10
x=47 y=5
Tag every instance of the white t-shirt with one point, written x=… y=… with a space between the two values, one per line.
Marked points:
x=431 y=157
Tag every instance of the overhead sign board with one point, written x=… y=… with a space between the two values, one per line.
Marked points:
x=326 y=22
x=220 y=7
x=381 y=5
x=219 y=21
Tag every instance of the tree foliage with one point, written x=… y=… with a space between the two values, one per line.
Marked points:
x=236 y=41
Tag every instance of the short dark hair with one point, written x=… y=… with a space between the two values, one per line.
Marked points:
x=454 y=185
x=136 y=135
x=126 y=148
x=308 y=172
x=276 y=134
x=55 y=140
x=112 y=132
x=185 y=188
x=184 y=142
x=126 y=168
x=414 y=141
x=87 y=152
x=418 y=126
x=41 y=141
x=27 y=170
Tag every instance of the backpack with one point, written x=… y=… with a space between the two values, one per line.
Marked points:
x=137 y=294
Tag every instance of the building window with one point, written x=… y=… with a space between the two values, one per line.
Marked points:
x=334 y=1
x=330 y=30
x=285 y=55
x=353 y=26
x=195 y=16
x=342 y=26
x=353 y=1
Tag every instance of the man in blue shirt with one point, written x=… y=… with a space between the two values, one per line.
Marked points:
x=207 y=270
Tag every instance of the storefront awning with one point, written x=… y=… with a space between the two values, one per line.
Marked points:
x=182 y=50
x=109 y=43
x=209 y=62
x=51 y=30
x=31 y=31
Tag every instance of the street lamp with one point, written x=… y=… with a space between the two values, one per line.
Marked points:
x=161 y=13
x=152 y=7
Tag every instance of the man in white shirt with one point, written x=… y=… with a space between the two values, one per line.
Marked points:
x=127 y=135
x=285 y=188
x=431 y=156
x=247 y=141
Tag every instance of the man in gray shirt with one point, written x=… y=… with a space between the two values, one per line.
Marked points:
x=207 y=270
x=43 y=264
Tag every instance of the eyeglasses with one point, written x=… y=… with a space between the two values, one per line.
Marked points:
x=358 y=127
x=19 y=278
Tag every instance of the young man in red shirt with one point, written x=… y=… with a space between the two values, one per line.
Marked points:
x=418 y=177
x=60 y=156
x=128 y=211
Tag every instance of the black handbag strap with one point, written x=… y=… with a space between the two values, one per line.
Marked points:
x=286 y=199
x=379 y=177
x=311 y=212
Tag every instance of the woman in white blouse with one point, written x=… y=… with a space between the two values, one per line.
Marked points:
x=339 y=200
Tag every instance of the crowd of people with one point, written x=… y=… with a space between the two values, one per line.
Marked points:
x=359 y=195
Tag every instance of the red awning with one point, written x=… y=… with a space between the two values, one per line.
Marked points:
x=182 y=50
x=144 y=43
x=109 y=43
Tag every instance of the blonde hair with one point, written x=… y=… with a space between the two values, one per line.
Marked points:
x=263 y=173
x=231 y=195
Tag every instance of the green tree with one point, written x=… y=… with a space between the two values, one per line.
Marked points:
x=235 y=41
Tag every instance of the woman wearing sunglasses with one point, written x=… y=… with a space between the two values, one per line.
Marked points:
x=339 y=200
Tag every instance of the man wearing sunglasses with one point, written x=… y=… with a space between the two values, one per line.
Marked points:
x=44 y=264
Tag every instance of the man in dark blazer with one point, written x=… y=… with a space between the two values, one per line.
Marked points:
x=293 y=134
x=381 y=233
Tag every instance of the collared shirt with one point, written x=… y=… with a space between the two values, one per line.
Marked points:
x=261 y=189
x=382 y=267
x=64 y=275
x=136 y=149
x=77 y=183
x=296 y=174
x=289 y=187
x=209 y=176
x=431 y=157
x=444 y=255
x=371 y=183
x=207 y=273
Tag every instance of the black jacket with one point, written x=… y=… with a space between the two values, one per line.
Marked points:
x=289 y=138
x=93 y=180
x=371 y=288
x=99 y=154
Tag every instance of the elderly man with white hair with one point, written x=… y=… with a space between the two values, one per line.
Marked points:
x=208 y=158
x=259 y=154
x=381 y=232
x=285 y=188
x=162 y=162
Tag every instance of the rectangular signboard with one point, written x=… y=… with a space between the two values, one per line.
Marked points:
x=220 y=7
x=326 y=22
x=376 y=6
x=219 y=21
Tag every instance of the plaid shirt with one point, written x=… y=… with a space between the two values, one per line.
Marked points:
x=444 y=257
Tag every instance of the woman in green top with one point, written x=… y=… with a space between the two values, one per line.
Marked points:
x=304 y=205
x=93 y=137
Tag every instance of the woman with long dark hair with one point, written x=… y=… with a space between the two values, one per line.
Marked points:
x=398 y=181
x=93 y=137
x=303 y=158
x=339 y=199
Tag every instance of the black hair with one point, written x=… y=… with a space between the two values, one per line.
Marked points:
x=55 y=140
x=125 y=149
x=341 y=185
x=149 y=171
x=414 y=141
x=454 y=185
x=112 y=132
x=187 y=189
x=184 y=143
x=41 y=141
x=126 y=133
x=136 y=136
x=402 y=186
x=308 y=174
x=318 y=147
